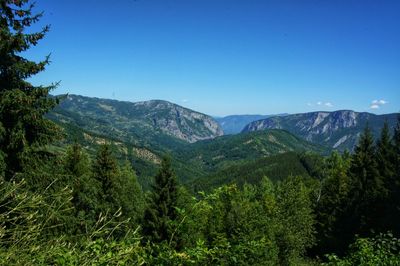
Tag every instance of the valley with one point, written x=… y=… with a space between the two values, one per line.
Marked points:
x=143 y=132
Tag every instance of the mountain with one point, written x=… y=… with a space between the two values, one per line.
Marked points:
x=137 y=122
x=231 y=149
x=143 y=132
x=234 y=124
x=339 y=130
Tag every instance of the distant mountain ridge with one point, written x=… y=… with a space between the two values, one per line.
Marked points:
x=234 y=124
x=130 y=121
x=339 y=129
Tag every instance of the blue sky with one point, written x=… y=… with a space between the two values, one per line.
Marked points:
x=225 y=57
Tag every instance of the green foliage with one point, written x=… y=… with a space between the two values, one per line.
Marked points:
x=76 y=165
x=22 y=105
x=278 y=167
x=368 y=188
x=296 y=219
x=394 y=188
x=128 y=194
x=24 y=240
x=331 y=202
x=161 y=213
x=383 y=249
x=105 y=170
x=76 y=162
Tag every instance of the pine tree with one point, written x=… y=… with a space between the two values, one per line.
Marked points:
x=333 y=200
x=396 y=159
x=22 y=105
x=76 y=161
x=84 y=186
x=161 y=213
x=367 y=186
x=385 y=159
x=385 y=154
x=395 y=186
x=105 y=170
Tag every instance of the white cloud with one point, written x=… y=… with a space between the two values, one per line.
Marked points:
x=376 y=104
x=320 y=103
x=185 y=100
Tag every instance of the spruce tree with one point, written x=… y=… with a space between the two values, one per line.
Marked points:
x=76 y=161
x=84 y=186
x=161 y=213
x=395 y=186
x=396 y=155
x=105 y=170
x=385 y=154
x=329 y=209
x=385 y=159
x=22 y=105
x=367 y=189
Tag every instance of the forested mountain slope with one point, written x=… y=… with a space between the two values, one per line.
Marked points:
x=137 y=122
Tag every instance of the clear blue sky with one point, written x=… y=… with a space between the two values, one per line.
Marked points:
x=225 y=57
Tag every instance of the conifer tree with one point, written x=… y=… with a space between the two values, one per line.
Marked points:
x=84 y=186
x=396 y=155
x=161 y=213
x=395 y=186
x=105 y=171
x=367 y=186
x=76 y=161
x=22 y=105
x=385 y=154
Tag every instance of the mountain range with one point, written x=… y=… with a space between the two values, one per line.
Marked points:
x=144 y=132
x=338 y=130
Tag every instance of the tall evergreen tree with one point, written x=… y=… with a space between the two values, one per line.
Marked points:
x=396 y=159
x=385 y=154
x=105 y=171
x=395 y=185
x=22 y=105
x=161 y=213
x=333 y=200
x=385 y=159
x=76 y=161
x=84 y=186
x=367 y=187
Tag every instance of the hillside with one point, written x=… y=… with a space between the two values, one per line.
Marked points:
x=226 y=150
x=339 y=130
x=276 y=167
x=134 y=138
x=147 y=122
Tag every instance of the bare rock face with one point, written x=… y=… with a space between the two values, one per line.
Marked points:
x=338 y=130
x=181 y=122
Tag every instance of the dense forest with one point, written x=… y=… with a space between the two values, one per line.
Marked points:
x=71 y=208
